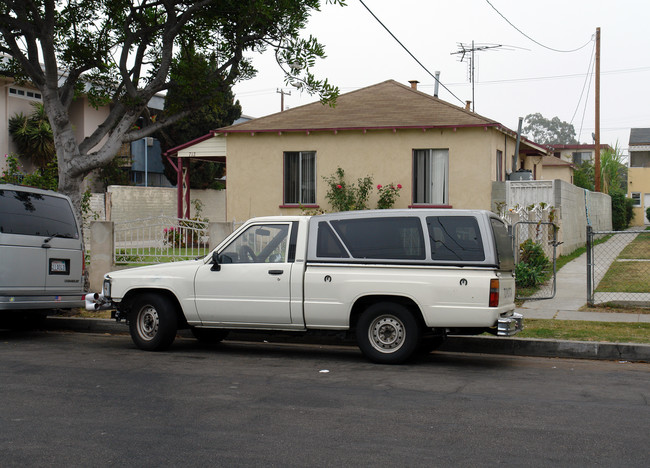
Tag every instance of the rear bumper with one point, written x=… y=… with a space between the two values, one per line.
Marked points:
x=63 y=301
x=511 y=325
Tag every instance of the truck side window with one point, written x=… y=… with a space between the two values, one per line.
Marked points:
x=504 y=245
x=327 y=245
x=266 y=243
x=455 y=238
x=394 y=238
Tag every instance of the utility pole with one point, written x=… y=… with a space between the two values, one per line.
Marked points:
x=464 y=50
x=597 y=132
x=282 y=93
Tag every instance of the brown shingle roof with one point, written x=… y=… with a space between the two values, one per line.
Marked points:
x=384 y=105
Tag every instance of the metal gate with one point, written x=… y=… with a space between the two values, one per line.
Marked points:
x=535 y=246
x=618 y=267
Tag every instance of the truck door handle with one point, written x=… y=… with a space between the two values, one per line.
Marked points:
x=276 y=272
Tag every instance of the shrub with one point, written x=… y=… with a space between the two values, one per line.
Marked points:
x=387 y=195
x=533 y=265
x=620 y=217
x=345 y=196
x=647 y=213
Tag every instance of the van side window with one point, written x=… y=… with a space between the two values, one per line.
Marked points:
x=33 y=214
x=327 y=245
x=390 y=238
x=455 y=238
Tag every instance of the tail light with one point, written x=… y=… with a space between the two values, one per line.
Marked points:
x=494 y=293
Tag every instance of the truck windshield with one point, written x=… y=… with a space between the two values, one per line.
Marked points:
x=504 y=245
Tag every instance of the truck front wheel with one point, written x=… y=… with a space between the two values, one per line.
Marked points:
x=152 y=322
x=387 y=333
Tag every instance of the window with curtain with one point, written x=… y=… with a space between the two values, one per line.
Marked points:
x=300 y=177
x=499 y=166
x=431 y=176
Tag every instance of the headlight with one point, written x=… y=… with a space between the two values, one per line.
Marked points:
x=106 y=288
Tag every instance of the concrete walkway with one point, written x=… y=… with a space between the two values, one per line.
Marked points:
x=571 y=290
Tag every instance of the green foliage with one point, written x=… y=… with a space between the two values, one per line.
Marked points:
x=388 y=195
x=113 y=174
x=33 y=136
x=583 y=176
x=647 y=213
x=193 y=73
x=532 y=269
x=548 y=132
x=622 y=209
x=44 y=178
x=344 y=196
x=188 y=233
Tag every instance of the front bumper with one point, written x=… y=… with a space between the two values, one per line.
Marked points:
x=508 y=326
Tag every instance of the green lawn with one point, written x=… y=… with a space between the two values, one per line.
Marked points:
x=630 y=275
x=578 y=330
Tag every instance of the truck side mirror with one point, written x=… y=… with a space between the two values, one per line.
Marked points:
x=215 y=262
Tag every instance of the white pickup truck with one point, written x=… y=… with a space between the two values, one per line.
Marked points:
x=400 y=280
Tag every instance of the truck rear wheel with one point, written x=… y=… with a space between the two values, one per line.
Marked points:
x=152 y=322
x=388 y=333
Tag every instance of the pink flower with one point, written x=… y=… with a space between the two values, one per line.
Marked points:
x=165 y=230
x=399 y=186
x=339 y=186
x=379 y=187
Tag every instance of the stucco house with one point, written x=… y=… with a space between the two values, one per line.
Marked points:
x=638 y=177
x=442 y=155
x=557 y=168
x=579 y=153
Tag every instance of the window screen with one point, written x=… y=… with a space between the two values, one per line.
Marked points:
x=396 y=238
x=34 y=214
x=455 y=238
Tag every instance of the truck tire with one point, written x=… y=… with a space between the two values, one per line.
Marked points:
x=210 y=335
x=388 y=333
x=152 y=322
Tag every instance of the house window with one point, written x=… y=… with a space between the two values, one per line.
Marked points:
x=499 y=165
x=639 y=158
x=636 y=198
x=431 y=176
x=25 y=94
x=580 y=157
x=300 y=178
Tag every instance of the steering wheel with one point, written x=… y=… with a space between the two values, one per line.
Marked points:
x=247 y=255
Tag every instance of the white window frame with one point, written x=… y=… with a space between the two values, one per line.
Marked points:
x=23 y=93
x=431 y=177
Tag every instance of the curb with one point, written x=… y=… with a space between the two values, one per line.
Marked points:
x=458 y=344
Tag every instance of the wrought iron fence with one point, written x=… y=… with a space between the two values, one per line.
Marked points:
x=618 y=270
x=161 y=239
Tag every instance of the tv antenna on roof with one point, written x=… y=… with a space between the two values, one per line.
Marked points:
x=466 y=50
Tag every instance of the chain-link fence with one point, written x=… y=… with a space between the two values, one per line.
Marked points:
x=618 y=267
x=535 y=246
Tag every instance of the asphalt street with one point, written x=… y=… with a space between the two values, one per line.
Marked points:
x=86 y=399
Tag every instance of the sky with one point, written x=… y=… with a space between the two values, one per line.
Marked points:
x=522 y=77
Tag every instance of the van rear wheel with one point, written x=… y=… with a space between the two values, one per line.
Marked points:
x=388 y=333
x=152 y=322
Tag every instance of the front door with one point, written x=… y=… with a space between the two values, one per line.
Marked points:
x=252 y=282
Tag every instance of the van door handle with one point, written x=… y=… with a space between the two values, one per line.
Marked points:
x=276 y=272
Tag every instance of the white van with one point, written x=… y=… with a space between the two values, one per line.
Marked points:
x=41 y=252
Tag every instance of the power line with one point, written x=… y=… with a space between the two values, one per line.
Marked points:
x=409 y=52
x=591 y=59
x=530 y=38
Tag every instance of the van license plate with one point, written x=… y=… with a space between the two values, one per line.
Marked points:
x=59 y=267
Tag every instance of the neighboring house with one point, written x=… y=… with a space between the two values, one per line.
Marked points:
x=638 y=177
x=557 y=168
x=15 y=99
x=441 y=154
x=577 y=154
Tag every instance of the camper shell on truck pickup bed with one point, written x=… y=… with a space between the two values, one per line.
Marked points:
x=399 y=280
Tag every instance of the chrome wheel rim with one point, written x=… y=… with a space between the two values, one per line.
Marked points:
x=387 y=333
x=148 y=323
